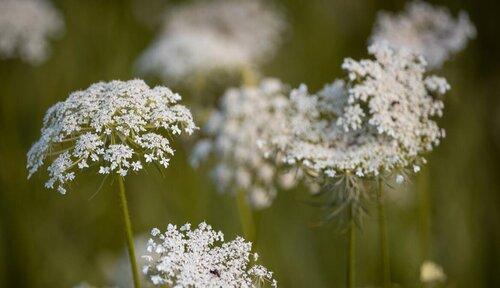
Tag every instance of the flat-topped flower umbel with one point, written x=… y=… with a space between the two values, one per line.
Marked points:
x=203 y=36
x=247 y=115
x=26 y=27
x=118 y=125
x=378 y=120
x=200 y=258
x=428 y=30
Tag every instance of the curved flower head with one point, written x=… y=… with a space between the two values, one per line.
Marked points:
x=377 y=121
x=247 y=116
x=25 y=27
x=117 y=126
x=210 y=35
x=425 y=29
x=182 y=257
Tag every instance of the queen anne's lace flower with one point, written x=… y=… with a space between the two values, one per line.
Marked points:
x=206 y=35
x=193 y=258
x=247 y=116
x=117 y=125
x=25 y=26
x=377 y=121
x=425 y=29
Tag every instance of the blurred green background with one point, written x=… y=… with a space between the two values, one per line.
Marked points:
x=50 y=240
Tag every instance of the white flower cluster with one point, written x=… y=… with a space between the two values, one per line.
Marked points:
x=247 y=116
x=205 y=35
x=376 y=121
x=431 y=272
x=117 y=125
x=193 y=258
x=426 y=30
x=25 y=27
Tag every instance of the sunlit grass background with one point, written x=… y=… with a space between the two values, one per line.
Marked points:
x=49 y=240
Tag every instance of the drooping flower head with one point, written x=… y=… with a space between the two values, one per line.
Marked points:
x=117 y=126
x=247 y=115
x=25 y=28
x=208 y=35
x=425 y=29
x=378 y=120
x=182 y=257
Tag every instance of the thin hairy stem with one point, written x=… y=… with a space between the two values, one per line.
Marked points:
x=351 y=258
x=128 y=233
x=246 y=217
x=384 y=245
x=424 y=212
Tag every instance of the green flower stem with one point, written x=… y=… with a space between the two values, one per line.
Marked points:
x=248 y=75
x=424 y=212
x=246 y=217
x=351 y=258
x=128 y=232
x=384 y=245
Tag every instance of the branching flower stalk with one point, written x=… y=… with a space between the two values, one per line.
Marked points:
x=384 y=240
x=246 y=216
x=424 y=202
x=234 y=136
x=245 y=211
x=128 y=232
x=117 y=127
x=433 y=32
x=351 y=261
x=377 y=123
x=207 y=37
x=249 y=76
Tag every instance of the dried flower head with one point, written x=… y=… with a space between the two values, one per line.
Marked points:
x=425 y=29
x=206 y=35
x=430 y=273
x=117 y=125
x=194 y=258
x=247 y=115
x=378 y=120
x=26 y=26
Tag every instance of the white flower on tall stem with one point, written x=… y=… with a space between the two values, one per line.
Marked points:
x=377 y=121
x=203 y=36
x=182 y=257
x=425 y=29
x=118 y=126
x=236 y=132
x=26 y=27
